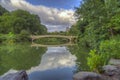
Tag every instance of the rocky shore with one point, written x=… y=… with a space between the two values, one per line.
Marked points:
x=110 y=72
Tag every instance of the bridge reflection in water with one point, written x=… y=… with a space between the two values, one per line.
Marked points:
x=71 y=39
x=41 y=45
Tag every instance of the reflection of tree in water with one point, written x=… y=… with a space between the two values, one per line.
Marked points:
x=81 y=53
x=19 y=56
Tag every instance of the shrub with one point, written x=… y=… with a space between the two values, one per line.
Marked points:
x=111 y=47
x=8 y=38
x=95 y=61
x=23 y=36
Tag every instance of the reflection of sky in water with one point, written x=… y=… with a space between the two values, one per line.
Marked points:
x=56 y=64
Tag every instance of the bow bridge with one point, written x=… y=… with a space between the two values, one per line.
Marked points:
x=34 y=37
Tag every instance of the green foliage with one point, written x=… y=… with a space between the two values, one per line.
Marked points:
x=73 y=30
x=99 y=28
x=107 y=49
x=51 y=41
x=114 y=25
x=81 y=53
x=19 y=20
x=58 y=33
x=8 y=38
x=97 y=20
x=95 y=61
x=20 y=23
x=23 y=36
x=2 y=38
x=111 y=47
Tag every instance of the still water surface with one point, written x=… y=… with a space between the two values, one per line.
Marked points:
x=50 y=63
x=56 y=64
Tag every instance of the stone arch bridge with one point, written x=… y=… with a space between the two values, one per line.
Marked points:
x=71 y=38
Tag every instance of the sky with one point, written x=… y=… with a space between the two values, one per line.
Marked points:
x=65 y=4
x=56 y=15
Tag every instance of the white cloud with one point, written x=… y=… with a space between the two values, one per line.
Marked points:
x=55 y=57
x=53 y=18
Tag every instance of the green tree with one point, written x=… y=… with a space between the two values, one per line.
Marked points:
x=19 y=20
x=73 y=30
x=95 y=20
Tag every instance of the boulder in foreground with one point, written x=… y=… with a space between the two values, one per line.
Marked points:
x=21 y=75
x=87 y=76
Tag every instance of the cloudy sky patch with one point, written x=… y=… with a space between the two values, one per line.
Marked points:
x=55 y=19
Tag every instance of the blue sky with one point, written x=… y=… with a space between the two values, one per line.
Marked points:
x=66 y=4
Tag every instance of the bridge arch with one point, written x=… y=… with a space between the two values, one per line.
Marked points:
x=70 y=38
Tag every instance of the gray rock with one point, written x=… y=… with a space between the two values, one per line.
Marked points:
x=87 y=76
x=114 y=61
x=21 y=75
x=110 y=70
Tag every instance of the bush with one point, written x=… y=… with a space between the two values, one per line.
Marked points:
x=95 y=61
x=111 y=47
x=23 y=36
x=107 y=49
x=8 y=38
x=1 y=38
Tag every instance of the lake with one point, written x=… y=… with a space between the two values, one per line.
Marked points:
x=43 y=63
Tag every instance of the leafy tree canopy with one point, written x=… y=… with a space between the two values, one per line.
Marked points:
x=19 y=20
